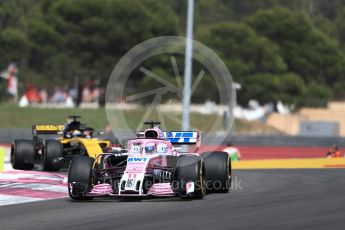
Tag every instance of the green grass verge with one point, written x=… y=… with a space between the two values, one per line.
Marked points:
x=12 y=116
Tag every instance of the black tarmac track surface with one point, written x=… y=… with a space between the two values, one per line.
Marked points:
x=261 y=199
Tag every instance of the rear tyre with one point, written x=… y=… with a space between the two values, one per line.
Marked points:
x=190 y=168
x=218 y=171
x=52 y=150
x=80 y=177
x=23 y=154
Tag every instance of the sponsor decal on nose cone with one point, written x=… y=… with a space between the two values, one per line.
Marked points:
x=137 y=159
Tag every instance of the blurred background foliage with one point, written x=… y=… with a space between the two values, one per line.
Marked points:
x=288 y=50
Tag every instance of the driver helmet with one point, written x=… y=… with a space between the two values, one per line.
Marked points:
x=150 y=148
x=76 y=133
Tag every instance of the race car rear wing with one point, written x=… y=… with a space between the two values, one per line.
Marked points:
x=46 y=129
x=182 y=137
x=175 y=137
x=179 y=137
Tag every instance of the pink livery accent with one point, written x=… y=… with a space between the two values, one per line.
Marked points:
x=101 y=189
x=161 y=189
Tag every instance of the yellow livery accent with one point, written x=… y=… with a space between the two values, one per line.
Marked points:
x=49 y=127
x=2 y=158
x=92 y=145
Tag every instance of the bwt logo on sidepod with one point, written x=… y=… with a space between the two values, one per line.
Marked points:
x=137 y=159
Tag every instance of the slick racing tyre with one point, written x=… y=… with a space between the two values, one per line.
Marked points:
x=52 y=151
x=80 y=177
x=190 y=168
x=23 y=154
x=218 y=171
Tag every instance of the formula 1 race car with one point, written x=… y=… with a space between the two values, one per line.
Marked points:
x=151 y=166
x=73 y=139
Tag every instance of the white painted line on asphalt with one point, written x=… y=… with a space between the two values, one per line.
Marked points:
x=9 y=199
x=36 y=186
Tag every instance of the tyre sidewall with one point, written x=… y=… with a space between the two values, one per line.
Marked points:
x=218 y=171
x=52 y=150
x=190 y=168
x=22 y=154
x=80 y=171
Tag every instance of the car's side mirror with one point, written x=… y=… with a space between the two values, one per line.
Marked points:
x=116 y=149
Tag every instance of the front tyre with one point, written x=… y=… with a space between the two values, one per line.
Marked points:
x=190 y=168
x=80 y=177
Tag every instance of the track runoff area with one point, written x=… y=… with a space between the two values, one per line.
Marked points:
x=266 y=194
x=19 y=186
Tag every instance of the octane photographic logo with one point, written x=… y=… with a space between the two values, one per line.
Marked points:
x=119 y=99
x=234 y=185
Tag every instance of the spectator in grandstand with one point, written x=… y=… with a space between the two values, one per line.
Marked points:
x=91 y=91
x=73 y=93
x=59 y=96
x=43 y=95
x=32 y=94
x=86 y=96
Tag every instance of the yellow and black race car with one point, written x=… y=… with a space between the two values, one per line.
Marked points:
x=73 y=138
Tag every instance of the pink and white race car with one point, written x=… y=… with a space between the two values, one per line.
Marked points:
x=152 y=166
